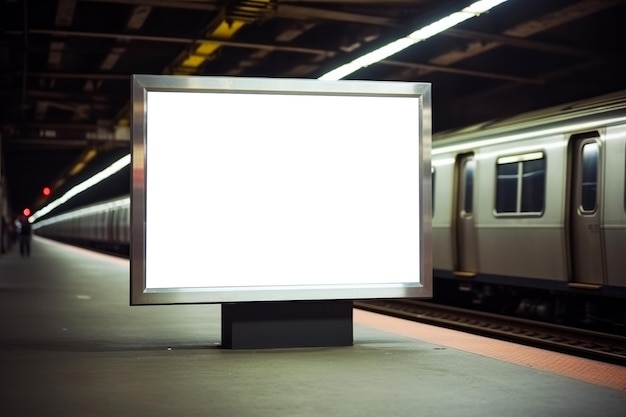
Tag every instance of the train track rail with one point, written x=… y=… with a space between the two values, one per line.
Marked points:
x=584 y=343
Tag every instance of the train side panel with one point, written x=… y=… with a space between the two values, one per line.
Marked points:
x=443 y=179
x=522 y=244
x=104 y=226
x=615 y=206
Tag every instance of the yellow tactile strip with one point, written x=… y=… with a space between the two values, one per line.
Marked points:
x=594 y=372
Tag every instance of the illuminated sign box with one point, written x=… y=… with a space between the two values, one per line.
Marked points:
x=252 y=189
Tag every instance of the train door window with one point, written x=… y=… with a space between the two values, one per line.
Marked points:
x=468 y=197
x=520 y=184
x=589 y=184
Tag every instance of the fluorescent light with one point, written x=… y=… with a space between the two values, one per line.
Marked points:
x=521 y=149
x=520 y=158
x=99 y=177
x=475 y=9
x=368 y=59
x=439 y=26
x=482 y=6
x=442 y=162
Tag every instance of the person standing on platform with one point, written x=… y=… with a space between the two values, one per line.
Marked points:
x=26 y=234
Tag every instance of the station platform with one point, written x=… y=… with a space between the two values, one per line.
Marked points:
x=70 y=345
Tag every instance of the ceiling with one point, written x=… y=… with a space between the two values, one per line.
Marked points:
x=65 y=65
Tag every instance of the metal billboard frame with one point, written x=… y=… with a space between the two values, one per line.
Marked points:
x=143 y=85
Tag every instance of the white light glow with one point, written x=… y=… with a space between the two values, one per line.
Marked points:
x=482 y=6
x=99 y=177
x=519 y=158
x=368 y=59
x=442 y=162
x=340 y=72
x=523 y=150
x=428 y=31
x=439 y=26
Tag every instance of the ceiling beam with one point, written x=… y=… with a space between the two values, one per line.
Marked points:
x=288 y=11
x=188 y=41
x=525 y=29
x=524 y=43
x=172 y=4
x=74 y=75
x=469 y=73
x=552 y=81
x=43 y=143
x=85 y=97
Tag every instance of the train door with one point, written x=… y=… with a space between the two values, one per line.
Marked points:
x=465 y=232
x=585 y=214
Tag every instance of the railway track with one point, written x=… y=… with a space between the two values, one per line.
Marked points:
x=584 y=343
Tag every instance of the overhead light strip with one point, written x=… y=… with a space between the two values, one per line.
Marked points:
x=99 y=177
x=428 y=31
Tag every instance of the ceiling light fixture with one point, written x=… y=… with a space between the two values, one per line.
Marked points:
x=377 y=55
x=99 y=177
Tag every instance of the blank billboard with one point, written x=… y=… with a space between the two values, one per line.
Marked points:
x=249 y=189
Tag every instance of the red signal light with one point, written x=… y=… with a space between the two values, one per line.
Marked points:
x=26 y=212
x=46 y=191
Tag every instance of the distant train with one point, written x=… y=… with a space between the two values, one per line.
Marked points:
x=529 y=214
x=104 y=226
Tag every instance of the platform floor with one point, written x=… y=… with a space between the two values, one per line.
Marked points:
x=70 y=345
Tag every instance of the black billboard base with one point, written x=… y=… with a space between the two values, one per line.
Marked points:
x=287 y=324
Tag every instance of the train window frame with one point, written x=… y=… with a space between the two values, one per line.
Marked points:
x=520 y=160
x=582 y=208
x=468 y=186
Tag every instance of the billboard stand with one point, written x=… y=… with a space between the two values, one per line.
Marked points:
x=282 y=199
x=287 y=324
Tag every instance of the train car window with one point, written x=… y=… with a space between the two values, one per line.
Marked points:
x=468 y=201
x=520 y=184
x=533 y=185
x=506 y=191
x=590 y=154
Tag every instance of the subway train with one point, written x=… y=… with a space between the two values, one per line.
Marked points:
x=529 y=215
x=103 y=226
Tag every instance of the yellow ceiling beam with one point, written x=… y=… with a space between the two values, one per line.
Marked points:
x=193 y=61
x=225 y=29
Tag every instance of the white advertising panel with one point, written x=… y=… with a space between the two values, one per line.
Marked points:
x=249 y=189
